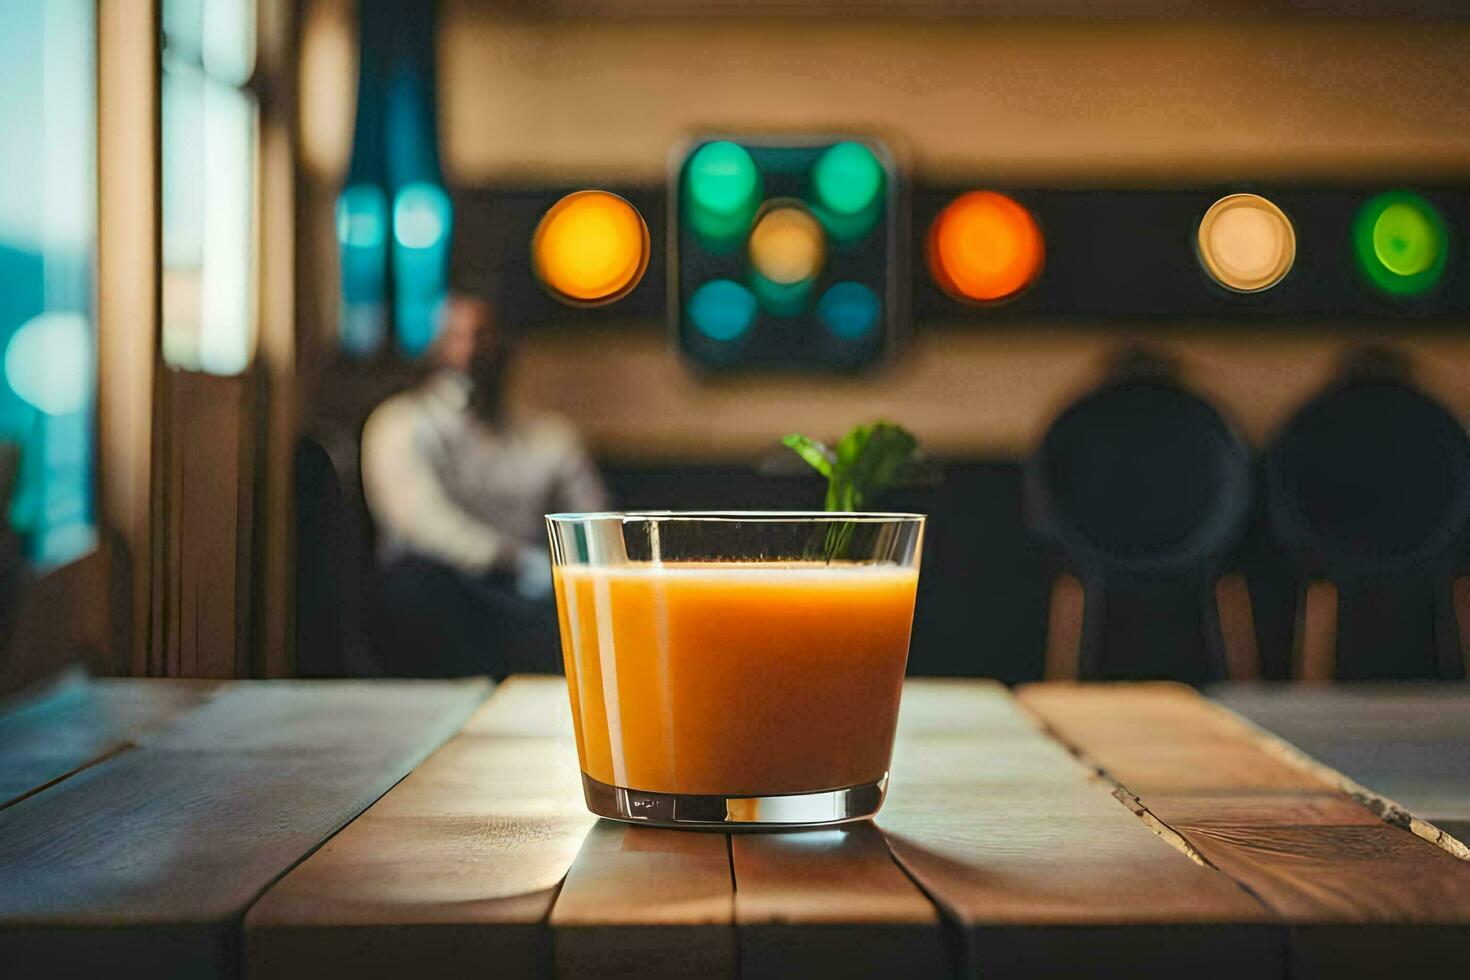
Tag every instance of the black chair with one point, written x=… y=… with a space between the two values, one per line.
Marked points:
x=336 y=577
x=1141 y=489
x=1368 y=492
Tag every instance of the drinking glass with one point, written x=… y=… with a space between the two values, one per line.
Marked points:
x=738 y=669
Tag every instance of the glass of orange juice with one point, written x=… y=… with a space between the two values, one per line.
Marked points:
x=737 y=669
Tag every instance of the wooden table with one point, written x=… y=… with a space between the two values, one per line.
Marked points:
x=1403 y=747
x=303 y=829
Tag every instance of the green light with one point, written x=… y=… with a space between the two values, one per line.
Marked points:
x=848 y=178
x=781 y=299
x=1401 y=243
x=723 y=179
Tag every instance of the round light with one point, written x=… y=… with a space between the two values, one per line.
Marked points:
x=1401 y=243
x=985 y=247
x=361 y=212
x=591 y=247
x=722 y=310
x=849 y=310
x=787 y=245
x=723 y=178
x=421 y=215
x=1246 y=243
x=848 y=178
x=49 y=362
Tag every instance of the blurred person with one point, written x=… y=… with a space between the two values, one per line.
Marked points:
x=458 y=482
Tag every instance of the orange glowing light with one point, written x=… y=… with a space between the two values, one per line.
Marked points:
x=985 y=247
x=591 y=248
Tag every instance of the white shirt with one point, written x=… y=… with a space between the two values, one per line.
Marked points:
x=444 y=484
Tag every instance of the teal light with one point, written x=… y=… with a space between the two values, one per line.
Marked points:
x=362 y=236
x=49 y=362
x=723 y=179
x=362 y=217
x=722 y=310
x=848 y=178
x=849 y=311
x=422 y=218
x=781 y=299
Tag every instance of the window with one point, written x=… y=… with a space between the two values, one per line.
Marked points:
x=47 y=257
x=209 y=163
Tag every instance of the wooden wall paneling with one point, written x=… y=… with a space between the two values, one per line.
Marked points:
x=1284 y=831
x=168 y=583
x=1041 y=868
x=276 y=356
x=128 y=283
x=210 y=451
x=151 y=857
x=605 y=98
x=458 y=865
x=60 y=618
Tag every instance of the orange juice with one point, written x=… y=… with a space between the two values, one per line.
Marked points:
x=735 y=678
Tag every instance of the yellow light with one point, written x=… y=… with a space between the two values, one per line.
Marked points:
x=590 y=248
x=1246 y=243
x=787 y=245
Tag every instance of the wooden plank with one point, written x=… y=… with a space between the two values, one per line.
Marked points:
x=1042 y=870
x=1407 y=743
x=151 y=857
x=79 y=721
x=644 y=902
x=831 y=903
x=457 y=866
x=1344 y=879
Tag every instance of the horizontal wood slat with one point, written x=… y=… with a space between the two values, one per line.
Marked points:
x=1406 y=744
x=454 y=870
x=1285 y=831
x=644 y=902
x=1043 y=870
x=150 y=858
x=79 y=721
x=831 y=902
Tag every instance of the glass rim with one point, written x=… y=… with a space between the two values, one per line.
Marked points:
x=734 y=516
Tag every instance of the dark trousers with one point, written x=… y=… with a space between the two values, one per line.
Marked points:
x=438 y=622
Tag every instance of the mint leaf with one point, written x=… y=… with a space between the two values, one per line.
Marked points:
x=817 y=456
x=867 y=461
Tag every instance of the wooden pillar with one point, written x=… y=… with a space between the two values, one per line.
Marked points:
x=128 y=262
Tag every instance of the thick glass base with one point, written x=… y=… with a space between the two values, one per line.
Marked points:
x=791 y=812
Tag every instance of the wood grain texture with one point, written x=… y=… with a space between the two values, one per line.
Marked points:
x=152 y=857
x=1286 y=834
x=831 y=902
x=82 y=720
x=606 y=98
x=1408 y=743
x=1043 y=870
x=641 y=902
x=457 y=866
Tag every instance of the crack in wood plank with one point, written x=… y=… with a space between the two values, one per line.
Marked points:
x=1387 y=810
